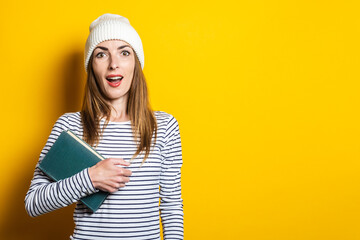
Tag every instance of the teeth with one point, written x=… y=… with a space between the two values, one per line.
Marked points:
x=115 y=78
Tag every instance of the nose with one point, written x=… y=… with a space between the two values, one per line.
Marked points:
x=114 y=63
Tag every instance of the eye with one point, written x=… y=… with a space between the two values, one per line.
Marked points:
x=125 y=53
x=100 y=55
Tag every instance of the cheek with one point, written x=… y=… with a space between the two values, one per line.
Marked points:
x=129 y=68
x=129 y=65
x=129 y=72
x=95 y=68
x=98 y=71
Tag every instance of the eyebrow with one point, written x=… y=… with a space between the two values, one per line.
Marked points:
x=106 y=49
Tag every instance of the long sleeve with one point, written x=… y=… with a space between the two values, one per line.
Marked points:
x=171 y=204
x=45 y=195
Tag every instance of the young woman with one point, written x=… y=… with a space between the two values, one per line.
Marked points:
x=142 y=147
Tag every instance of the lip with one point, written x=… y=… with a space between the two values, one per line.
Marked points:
x=114 y=84
x=114 y=75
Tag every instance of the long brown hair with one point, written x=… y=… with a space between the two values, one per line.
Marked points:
x=95 y=106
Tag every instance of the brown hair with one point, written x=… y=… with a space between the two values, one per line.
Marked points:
x=95 y=106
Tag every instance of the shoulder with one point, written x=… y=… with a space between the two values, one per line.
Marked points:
x=164 y=118
x=69 y=117
x=65 y=122
x=168 y=125
x=68 y=120
x=72 y=117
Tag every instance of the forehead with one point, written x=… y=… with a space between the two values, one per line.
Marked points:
x=112 y=43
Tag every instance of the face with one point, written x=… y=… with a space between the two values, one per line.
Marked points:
x=113 y=65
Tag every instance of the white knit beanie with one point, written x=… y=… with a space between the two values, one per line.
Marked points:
x=111 y=27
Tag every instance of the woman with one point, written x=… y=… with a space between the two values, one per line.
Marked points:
x=142 y=148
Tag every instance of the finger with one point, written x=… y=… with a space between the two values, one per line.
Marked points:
x=120 y=161
x=107 y=188
x=117 y=185
x=127 y=172
x=122 y=179
x=112 y=190
x=124 y=172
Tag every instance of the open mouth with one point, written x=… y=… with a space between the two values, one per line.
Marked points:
x=114 y=81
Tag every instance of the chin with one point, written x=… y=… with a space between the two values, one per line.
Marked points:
x=116 y=96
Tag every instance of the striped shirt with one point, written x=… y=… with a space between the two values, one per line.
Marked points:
x=133 y=212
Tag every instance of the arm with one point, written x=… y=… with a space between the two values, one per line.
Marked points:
x=45 y=195
x=171 y=204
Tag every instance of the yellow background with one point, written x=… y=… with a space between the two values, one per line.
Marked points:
x=266 y=94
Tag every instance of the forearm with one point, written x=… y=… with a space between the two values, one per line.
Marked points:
x=172 y=219
x=171 y=206
x=45 y=196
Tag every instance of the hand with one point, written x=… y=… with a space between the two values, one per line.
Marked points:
x=108 y=176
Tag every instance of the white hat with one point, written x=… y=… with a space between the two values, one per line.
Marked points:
x=111 y=26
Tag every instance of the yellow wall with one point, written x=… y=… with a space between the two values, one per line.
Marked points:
x=266 y=94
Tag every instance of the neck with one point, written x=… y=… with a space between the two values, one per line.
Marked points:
x=118 y=111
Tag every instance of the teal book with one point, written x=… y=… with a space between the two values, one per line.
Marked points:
x=68 y=156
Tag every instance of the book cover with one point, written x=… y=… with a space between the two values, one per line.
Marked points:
x=68 y=156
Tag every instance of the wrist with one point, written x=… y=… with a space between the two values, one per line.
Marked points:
x=90 y=181
x=92 y=175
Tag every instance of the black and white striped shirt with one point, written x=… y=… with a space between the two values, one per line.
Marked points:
x=134 y=211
